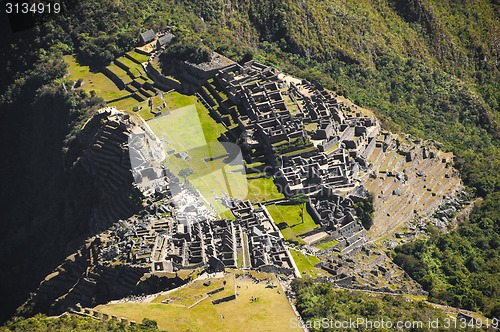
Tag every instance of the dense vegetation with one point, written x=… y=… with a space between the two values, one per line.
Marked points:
x=317 y=301
x=187 y=47
x=427 y=67
x=364 y=211
x=461 y=268
x=46 y=199
x=65 y=323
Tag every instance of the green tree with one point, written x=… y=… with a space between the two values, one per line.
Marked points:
x=149 y=323
x=300 y=199
x=364 y=211
x=185 y=173
x=460 y=268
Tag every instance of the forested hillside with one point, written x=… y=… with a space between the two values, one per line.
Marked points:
x=75 y=323
x=426 y=67
x=460 y=268
x=320 y=303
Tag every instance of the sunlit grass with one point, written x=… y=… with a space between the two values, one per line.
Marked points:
x=93 y=80
x=269 y=312
x=138 y=56
x=289 y=215
x=305 y=263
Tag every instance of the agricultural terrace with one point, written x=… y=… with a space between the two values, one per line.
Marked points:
x=93 y=80
x=326 y=244
x=123 y=84
x=188 y=127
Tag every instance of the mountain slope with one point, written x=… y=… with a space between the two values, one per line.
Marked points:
x=425 y=66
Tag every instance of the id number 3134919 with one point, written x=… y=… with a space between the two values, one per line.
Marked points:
x=32 y=8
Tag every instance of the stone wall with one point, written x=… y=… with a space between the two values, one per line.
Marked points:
x=224 y=299
x=162 y=81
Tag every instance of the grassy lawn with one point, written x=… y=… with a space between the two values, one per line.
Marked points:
x=138 y=56
x=270 y=312
x=190 y=129
x=135 y=68
x=262 y=190
x=305 y=263
x=327 y=244
x=189 y=295
x=186 y=129
x=174 y=101
x=128 y=105
x=184 y=274
x=96 y=81
x=289 y=215
x=311 y=126
x=122 y=74
x=227 y=215
x=177 y=100
x=289 y=234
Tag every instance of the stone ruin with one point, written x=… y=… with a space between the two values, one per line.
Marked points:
x=316 y=145
x=167 y=240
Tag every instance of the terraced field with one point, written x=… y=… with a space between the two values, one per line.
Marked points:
x=120 y=73
x=93 y=80
x=397 y=202
x=138 y=56
x=326 y=244
x=135 y=68
x=305 y=264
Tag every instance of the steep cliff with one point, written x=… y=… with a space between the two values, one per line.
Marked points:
x=59 y=189
x=83 y=278
x=429 y=67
